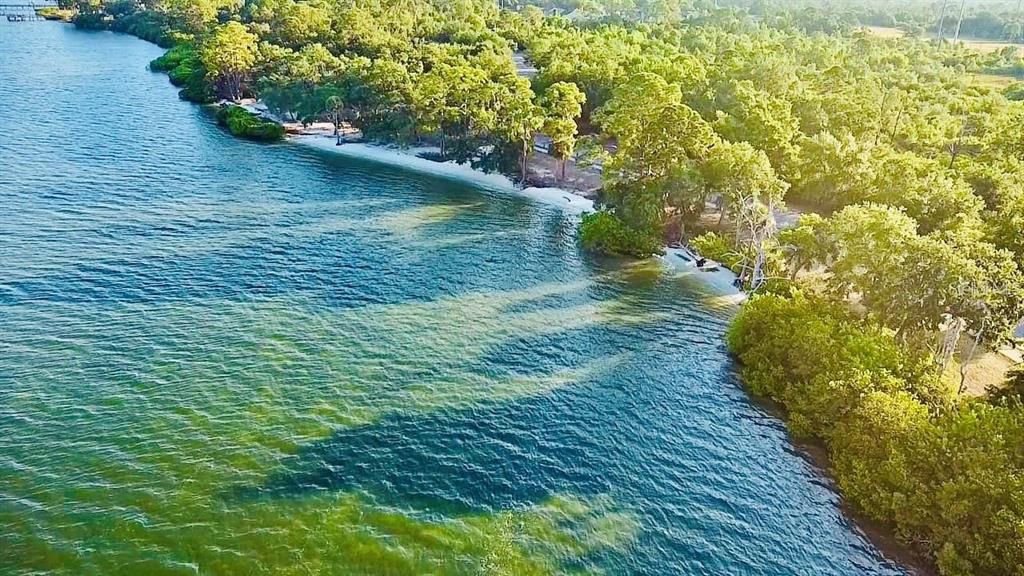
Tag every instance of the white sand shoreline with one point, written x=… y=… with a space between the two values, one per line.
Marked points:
x=721 y=281
x=409 y=158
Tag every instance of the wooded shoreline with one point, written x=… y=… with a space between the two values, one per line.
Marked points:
x=918 y=176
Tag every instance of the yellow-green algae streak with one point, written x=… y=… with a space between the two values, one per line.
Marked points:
x=244 y=384
x=221 y=358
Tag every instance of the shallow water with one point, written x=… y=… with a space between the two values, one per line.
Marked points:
x=224 y=358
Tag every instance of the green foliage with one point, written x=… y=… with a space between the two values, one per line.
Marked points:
x=176 y=56
x=92 y=20
x=245 y=124
x=1014 y=91
x=740 y=257
x=1005 y=223
x=834 y=172
x=184 y=69
x=747 y=113
x=603 y=231
x=291 y=24
x=911 y=283
x=562 y=103
x=947 y=477
x=817 y=359
x=193 y=15
x=1011 y=391
x=928 y=192
x=804 y=244
x=718 y=248
x=155 y=27
x=228 y=55
x=743 y=177
x=660 y=141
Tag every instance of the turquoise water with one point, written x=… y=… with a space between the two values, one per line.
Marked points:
x=218 y=357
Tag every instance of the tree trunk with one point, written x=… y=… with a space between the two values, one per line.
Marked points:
x=942 y=19
x=739 y=220
x=896 y=125
x=881 y=117
x=797 y=266
x=757 y=275
x=967 y=360
x=901 y=332
x=950 y=339
x=959 y=21
x=954 y=149
x=232 y=85
x=562 y=162
x=526 y=151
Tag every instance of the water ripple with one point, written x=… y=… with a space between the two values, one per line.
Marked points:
x=224 y=358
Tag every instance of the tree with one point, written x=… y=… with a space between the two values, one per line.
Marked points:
x=927 y=191
x=876 y=254
x=1005 y=227
x=913 y=283
x=562 y=104
x=804 y=244
x=659 y=142
x=519 y=118
x=748 y=113
x=302 y=23
x=194 y=15
x=834 y=172
x=653 y=128
x=742 y=176
x=228 y=55
x=603 y=231
x=457 y=101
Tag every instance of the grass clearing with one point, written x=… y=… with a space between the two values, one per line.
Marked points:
x=990 y=45
x=884 y=31
x=979 y=44
x=988 y=369
x=994 y=81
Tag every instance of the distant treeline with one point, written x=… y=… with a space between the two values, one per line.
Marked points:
x=982 y=19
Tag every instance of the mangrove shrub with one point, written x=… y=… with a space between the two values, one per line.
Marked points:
x=603 y=231
x=245 y=124
x=948 y=477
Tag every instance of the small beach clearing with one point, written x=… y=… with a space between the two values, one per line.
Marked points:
x=411 y=158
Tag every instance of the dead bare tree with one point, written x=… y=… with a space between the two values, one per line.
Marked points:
x=959 y=21
x=942 y=20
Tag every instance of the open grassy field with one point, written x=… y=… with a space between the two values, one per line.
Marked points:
x=990 y=45
x=972 y=43
x=991 y=80
x=884 y=31
x=987 y=369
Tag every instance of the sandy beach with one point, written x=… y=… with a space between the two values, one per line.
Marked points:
x=321 y=136
x=721 y=280
x=411 y=159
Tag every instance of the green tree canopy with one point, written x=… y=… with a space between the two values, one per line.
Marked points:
x=228 y=55
x=562 y=103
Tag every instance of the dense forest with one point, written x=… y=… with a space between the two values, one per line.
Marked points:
x=910 y=174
